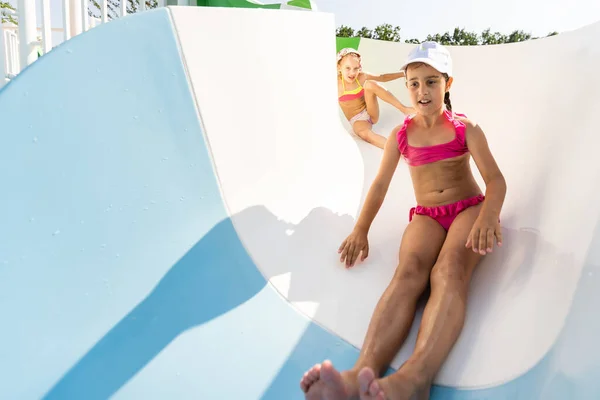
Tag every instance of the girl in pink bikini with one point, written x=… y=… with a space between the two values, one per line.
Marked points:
x=358 y=92
x=451 y=228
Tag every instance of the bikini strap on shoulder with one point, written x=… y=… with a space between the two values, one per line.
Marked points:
x=459 y=126
x=401 y=134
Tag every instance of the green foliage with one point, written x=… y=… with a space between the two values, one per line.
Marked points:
x=94 y=9
x=459 y=37
x=5 y=15
x=113 y=7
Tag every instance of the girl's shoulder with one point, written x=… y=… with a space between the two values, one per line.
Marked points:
x=362 y=77
x=468 y=122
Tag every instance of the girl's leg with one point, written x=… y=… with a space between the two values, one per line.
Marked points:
x=442 y=320
x=392 y=317
x=363 y=131
x=373 y=90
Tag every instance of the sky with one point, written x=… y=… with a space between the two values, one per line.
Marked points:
x=417 y=19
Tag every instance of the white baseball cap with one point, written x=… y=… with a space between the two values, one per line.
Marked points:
x=431 y=53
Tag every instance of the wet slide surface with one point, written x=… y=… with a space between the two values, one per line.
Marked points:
x=171 y=225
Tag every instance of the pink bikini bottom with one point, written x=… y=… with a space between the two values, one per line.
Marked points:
x=446 y=213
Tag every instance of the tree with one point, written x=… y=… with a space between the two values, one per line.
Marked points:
x=518 y=36
x=386 y=32
x=364 y=32
x=5 y=13
x=94 y=9
x=492 y=38
x=344 y=31
x=114 y=7
x=458 y=37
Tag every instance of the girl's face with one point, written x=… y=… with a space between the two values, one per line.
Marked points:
x=426 y=87
x=349 y=67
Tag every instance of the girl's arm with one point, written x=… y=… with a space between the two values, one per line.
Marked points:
x=381 y=183
x=486 y=226
x=384 y=77
x=490 y=172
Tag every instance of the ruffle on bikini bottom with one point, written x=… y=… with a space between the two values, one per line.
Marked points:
x=446 y=210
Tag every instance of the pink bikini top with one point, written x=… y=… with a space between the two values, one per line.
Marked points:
x=416 y=156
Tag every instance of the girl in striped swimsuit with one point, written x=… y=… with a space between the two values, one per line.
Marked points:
x=358 y=92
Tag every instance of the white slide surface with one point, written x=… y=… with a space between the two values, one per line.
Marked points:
x=284 y=147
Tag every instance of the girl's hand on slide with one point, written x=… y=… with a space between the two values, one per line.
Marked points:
x=352 y=246
x=481 y=237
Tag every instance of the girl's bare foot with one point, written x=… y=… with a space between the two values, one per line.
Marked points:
x=369 y=387
x=398 y=386
x=324 y=382
x=310 y=377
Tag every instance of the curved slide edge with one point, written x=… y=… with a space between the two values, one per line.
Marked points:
x=120 y=272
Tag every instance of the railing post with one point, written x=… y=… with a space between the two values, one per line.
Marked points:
x=104 y=10
x=3 y=58
x=76 y=21
x=66 y=11
x=85 y=19
x=46 y=26
x=27 y=31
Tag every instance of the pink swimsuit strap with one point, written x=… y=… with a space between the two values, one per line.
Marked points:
x=416 y=156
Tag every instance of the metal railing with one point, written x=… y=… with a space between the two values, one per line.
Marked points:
x=24 y=43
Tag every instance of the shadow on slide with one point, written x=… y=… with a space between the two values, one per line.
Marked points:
x=213 y=277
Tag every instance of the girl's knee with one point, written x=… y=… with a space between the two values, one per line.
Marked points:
x=370 y=85
x=362 y=133
x=449 y=269
x=412 y=272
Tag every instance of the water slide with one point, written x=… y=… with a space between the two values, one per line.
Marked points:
x=173 y=199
